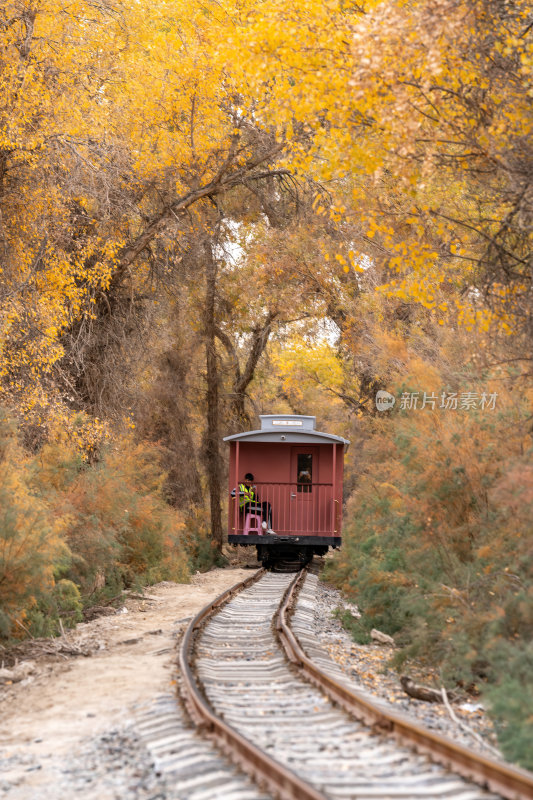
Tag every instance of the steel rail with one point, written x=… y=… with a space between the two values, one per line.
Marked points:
x=263 y=769
x=511 y=782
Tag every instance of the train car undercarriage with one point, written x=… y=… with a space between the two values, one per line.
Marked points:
x=273 y=550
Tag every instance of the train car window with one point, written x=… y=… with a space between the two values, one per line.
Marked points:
x=305 y=472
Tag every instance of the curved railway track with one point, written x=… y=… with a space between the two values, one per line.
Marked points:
x=281 y=710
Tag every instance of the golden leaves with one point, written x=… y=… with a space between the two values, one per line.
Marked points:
x=405 y=101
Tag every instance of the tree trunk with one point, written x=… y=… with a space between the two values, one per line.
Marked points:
x=212 y=441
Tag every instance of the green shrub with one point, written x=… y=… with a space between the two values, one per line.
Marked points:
x=201 y=551
x=75 y=534
x=437 y=553
x=122 y=531
x=31 y=537
x=510 y=696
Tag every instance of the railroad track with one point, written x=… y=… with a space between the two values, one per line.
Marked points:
x=283 y=712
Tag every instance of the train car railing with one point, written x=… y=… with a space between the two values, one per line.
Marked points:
x=298 y=509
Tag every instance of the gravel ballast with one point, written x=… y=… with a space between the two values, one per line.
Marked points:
x=367 y=667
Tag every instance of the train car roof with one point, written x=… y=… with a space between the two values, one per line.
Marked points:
x=288 y=428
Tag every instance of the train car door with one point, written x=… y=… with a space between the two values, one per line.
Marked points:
x=303 y=494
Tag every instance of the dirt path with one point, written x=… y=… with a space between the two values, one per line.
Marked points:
x=66 y=702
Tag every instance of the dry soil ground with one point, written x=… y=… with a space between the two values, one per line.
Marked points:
x=66 y=701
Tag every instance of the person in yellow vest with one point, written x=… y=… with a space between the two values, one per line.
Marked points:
x=249 y=502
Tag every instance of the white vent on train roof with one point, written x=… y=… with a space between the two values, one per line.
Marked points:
x=297 y=422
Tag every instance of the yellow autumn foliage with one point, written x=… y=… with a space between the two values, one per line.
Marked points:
x=115 y=121
x=423 y=113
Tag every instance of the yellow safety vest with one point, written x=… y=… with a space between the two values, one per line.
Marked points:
x=246 y=495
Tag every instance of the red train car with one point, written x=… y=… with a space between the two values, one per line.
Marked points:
x=293 y=503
